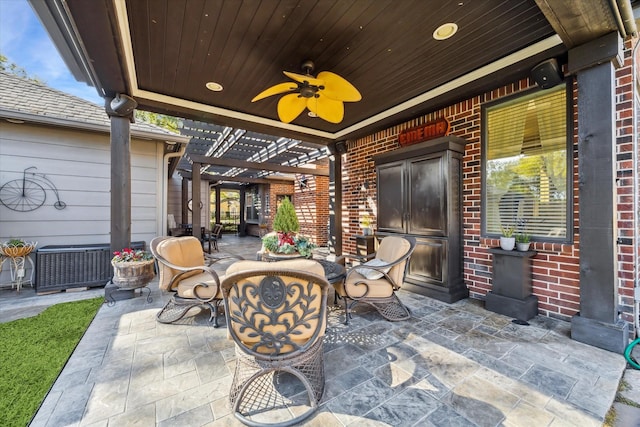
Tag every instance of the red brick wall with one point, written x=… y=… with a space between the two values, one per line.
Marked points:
x=275 y=190
x=312 y=207
x=625 y=176
x=556 y=276
x=311 y=203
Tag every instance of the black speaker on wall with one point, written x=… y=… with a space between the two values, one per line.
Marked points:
x=341 y=147
x=547 y=74
x=122 y=105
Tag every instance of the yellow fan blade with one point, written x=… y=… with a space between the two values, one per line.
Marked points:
x=274 y=90
x=336 y=87
x=290 y=106
x=302 y=78
x=326 y=108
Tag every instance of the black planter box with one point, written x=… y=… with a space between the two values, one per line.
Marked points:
x=60 y=267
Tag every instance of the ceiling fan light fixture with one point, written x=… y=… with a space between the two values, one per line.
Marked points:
x=214 y=86
x=445 y=31
x=322 y=95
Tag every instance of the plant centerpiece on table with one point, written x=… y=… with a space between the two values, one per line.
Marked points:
x=132 y=268
x=285 y=238
x=507 y=240
x=15 y=248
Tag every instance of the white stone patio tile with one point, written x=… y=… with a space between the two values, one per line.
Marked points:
x=515 y=387
x=143 y=416
x=566 y=412
x=526 y=415
x=106 y=400
x=158 y=390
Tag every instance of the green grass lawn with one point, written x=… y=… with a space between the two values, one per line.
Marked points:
x=33 y=351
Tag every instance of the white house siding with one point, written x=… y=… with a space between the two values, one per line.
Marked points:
x=78 y=164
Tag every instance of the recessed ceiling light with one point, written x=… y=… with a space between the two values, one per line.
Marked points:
x=445 y=31
x=216 y=87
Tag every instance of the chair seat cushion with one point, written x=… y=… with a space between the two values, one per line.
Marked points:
x=377 y=288
x=185 y=287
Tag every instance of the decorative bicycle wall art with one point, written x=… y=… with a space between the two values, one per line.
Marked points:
x=28 y=194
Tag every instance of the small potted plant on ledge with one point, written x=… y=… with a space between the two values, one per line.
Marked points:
x=507 y=240
x=132 y=268
x=523 y=241
x=285 y=241
x=365 y=224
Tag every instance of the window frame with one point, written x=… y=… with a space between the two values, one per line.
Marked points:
x=569 y=235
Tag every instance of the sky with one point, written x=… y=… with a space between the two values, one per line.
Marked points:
x=25 y=42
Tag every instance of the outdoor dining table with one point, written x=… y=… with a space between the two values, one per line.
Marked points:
x=333 y=271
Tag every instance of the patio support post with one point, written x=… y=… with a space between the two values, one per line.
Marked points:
x=196 y=216
x=598 y=323
x=335 y=204
x=218 y=204
x=120 y=118
x=185 y=201
x=241 y=225
x=120 y=183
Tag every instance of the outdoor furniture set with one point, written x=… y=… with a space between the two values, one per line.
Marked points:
x=276 y=313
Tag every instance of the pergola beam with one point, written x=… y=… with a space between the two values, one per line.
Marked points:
x=208 y=177
x=232 y=163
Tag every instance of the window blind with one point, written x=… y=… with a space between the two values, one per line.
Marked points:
x=526 y=164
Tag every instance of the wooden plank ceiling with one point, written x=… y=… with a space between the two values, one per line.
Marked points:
x=164 y=52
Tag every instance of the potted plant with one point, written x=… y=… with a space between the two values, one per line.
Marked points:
x=523 y=241
x=284 y=239
x=507 y=240
x=15 y=248
x=365 y=224
x=132 y=268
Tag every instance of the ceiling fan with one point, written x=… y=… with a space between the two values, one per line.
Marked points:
x=323 y=95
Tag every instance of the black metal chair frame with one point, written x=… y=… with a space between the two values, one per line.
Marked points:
x=253 y=390
x=214 y=236
x=391 y=308
x=176 y=308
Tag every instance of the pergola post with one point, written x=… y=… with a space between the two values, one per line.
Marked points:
x=196 y=220
x=185 y=200
x=335 y=204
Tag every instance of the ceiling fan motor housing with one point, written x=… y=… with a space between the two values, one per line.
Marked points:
x=308 y=91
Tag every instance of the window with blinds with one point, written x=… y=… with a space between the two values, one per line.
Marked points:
x=525 y=165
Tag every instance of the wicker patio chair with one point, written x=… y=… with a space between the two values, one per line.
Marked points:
x=276 y=314
x=181 y=263
x=376 y=281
